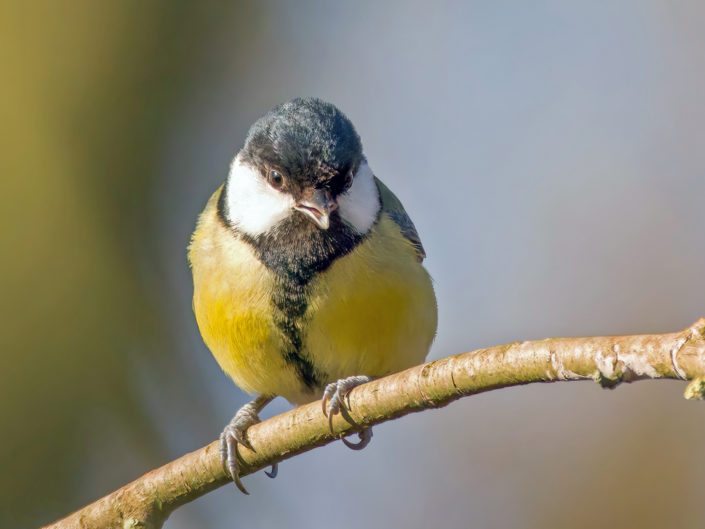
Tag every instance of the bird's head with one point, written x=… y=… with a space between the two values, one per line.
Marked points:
x=302 y=160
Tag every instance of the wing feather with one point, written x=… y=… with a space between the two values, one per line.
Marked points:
x=392 y=206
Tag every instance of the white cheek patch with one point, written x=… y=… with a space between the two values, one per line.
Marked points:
x=253 y=206
x=359 y=205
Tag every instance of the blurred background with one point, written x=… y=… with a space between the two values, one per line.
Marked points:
x=550 y=153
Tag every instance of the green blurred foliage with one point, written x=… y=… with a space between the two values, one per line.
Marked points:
x=85 y=97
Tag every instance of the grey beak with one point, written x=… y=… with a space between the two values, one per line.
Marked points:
x=318 y=206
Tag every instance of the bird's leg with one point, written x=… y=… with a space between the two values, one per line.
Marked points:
x=236 y=432
x=334 y=402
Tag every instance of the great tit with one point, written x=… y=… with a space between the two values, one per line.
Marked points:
x=307 y=270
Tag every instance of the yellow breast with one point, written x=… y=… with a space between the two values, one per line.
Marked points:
x=372 y=312
x=232 y=304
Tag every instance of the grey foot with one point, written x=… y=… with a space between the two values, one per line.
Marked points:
x=236 y=433
x=334 y=402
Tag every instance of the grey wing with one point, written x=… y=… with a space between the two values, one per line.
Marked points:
x=393 y=207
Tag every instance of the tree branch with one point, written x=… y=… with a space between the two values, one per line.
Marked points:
x=147 y=501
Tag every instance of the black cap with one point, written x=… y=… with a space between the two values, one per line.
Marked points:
x=312 y=141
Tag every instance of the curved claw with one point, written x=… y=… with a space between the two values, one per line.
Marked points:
x=365 y=438
x=330 y=422
x=328 y=395
x=229 y=457
x=240 y=435
x=273 y=473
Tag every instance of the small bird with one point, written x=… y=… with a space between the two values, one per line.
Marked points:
x=307 y=270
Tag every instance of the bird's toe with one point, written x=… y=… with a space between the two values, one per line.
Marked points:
x=334 y=402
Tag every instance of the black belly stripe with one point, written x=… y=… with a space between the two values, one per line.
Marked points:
x=289 y=302
x=296 y=250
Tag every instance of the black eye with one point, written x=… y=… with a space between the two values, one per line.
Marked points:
x=275 y=179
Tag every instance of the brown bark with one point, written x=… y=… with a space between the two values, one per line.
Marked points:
x=147 y=501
